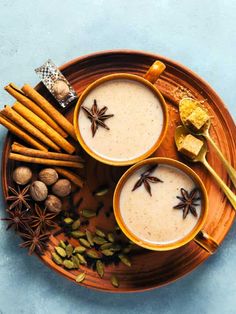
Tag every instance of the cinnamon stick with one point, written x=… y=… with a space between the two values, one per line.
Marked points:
x=17 y=148
x=24 y=124
x=49 y=109
x=44 y=161
x=43 y=127
x=13 y=90
x=21 y=134
x=71 y=176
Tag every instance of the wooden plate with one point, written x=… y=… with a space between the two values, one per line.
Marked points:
x=149 y=269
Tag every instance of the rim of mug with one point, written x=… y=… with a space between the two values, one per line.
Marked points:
x=161 y=246
x=109 y=77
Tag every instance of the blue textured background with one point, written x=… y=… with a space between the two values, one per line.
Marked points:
x=197 y=33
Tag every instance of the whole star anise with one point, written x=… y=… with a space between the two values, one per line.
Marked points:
x=97 y=116
x=42 y=220
x=34 y=240
x=188 y=202
x=146 y=179
x=19 y=197
x=17 y=219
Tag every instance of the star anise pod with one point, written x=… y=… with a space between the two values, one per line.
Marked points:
x=34 y=240
x=42 y=220
x=146 y=179
x=17 y=219
x=19 y=197
x=97 y=116
x=188 y=202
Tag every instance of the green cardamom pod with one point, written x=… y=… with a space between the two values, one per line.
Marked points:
x=62 y=244
x=115 y=247
x=77 y=234
x=68 y=221
x=125 y=260
x=75 y=261
x=84 y=242
x=114 y=281
x=60 y=251
x=75 y=224
x=99 y=240
x=93 y=254
x=111 y=237
x=89 y=237
x=68 y=264
x=107 y=252
x=127 y=249
x=105 y=246
x=80 y=277
x=57 y=259
x=100 y=233
x=100 y=268
x=69 y=250
x=82 y=260
x=101 y=191
x=79 y=249
x=88 y=213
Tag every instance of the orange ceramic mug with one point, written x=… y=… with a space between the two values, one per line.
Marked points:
x=196 y=234
x=148 y=83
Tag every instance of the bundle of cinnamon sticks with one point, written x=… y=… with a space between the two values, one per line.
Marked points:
x=33 y=119
x=25 y=154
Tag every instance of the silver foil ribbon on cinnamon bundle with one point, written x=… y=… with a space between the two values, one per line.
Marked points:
x=56 y=83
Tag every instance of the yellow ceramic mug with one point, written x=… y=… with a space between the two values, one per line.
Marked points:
x=148 y=81
x=196 y=234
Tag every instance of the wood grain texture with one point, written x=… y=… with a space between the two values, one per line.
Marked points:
x=149 y=269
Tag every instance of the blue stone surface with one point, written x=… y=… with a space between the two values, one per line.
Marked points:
x=198 y=33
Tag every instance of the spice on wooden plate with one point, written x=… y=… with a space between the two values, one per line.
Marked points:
x=17 y=219
x=80 y=277
x=34 y=240
x=19 y=198
x=38 y=191
x=88 y=213
x=48 y=176
x=100 y=268
x=114 y=281
x=42 y=219
x=22 y=175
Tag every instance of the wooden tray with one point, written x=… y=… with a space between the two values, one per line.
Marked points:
x=149 y=269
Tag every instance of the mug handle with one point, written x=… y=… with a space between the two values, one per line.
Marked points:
x=154 y=71
x=206 y=242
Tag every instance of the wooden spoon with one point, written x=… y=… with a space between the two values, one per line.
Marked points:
x=186 y=107
x=180 y=133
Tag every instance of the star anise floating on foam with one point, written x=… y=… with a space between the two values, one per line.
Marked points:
x=97 y=116
x=188 y=202
x=146 y=179
x=19 y=197
x=34 y=240
x=17 y=219
x=42 y=219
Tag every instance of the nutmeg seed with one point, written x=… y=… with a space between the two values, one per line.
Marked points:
x=61 y=89
x=48 y=176
x=62 y=188
x=38 y=191
x=22 y=175
x=53 y=204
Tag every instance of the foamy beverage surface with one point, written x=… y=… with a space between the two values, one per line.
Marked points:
x=153 y=218
x=136 y=125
